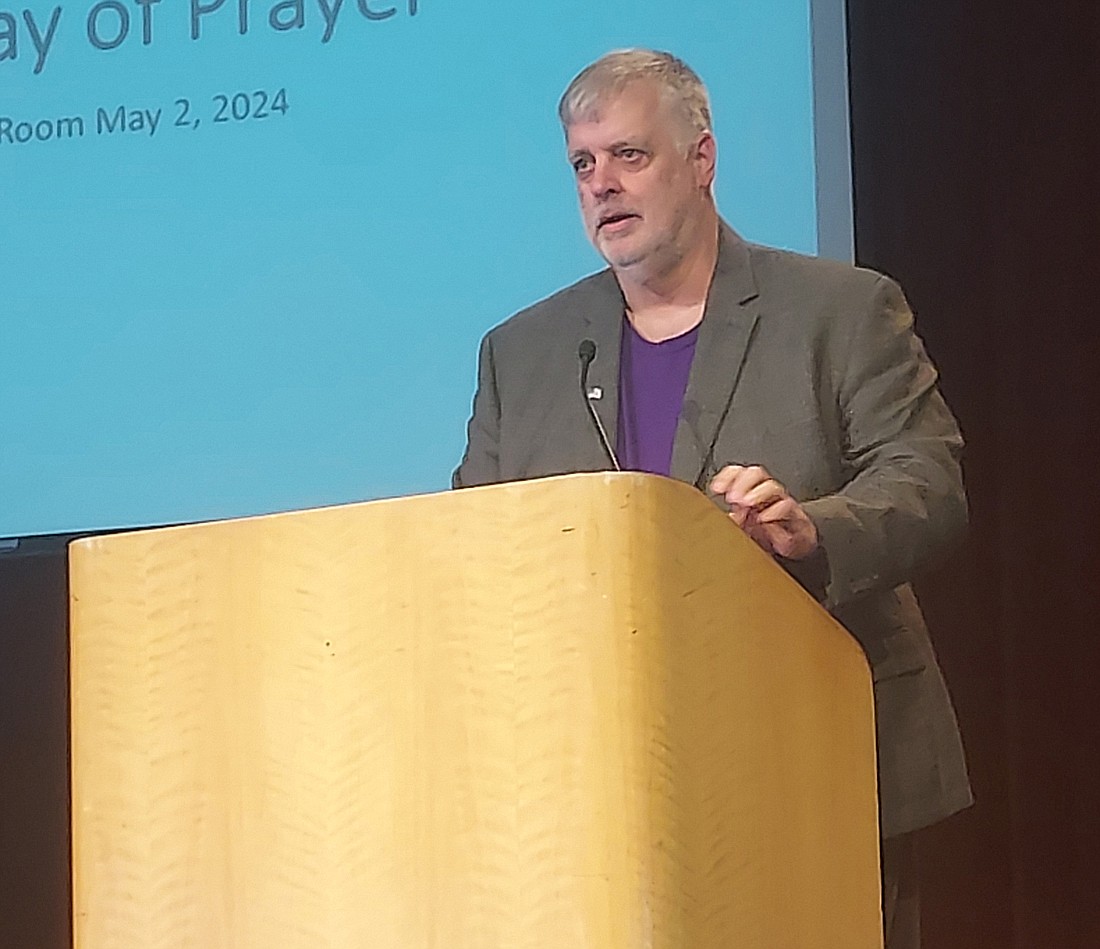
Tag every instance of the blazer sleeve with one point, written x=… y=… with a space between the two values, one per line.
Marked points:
x=902 y=503
x=481 y=461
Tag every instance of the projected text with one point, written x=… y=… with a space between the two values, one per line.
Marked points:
x=123 y=119
x=29 y=36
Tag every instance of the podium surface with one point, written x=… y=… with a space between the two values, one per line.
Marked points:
x=579 y=712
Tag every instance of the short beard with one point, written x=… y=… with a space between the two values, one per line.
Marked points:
x=663 y=256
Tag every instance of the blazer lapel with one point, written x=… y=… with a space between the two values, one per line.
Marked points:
x=725 y=334
x=603 y=324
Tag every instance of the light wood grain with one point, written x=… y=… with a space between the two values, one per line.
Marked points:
x=584 y=712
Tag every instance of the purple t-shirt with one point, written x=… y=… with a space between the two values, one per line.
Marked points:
x=652 y=380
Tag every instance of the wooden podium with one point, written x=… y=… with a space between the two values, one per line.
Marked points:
x=580 y=713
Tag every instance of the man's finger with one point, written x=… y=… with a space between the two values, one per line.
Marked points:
x=761 y=495
x=740 y=515
x=721 y=482
x=744 y=481
x=762 y=534
x=782 y=510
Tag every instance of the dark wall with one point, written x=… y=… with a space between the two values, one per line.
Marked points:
x=976 y=185
x=34 y=746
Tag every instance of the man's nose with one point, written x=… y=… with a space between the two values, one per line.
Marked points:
x=605 y=179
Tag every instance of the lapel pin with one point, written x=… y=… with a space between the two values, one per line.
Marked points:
x=595 y=393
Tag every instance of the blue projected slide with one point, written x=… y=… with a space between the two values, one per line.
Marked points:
x=248 y=247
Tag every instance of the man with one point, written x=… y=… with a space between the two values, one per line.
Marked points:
x=793 y=389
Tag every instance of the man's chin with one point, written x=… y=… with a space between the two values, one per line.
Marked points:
x=622 y=264
x=619 y=256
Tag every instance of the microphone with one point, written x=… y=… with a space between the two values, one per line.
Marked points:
x=586 y=352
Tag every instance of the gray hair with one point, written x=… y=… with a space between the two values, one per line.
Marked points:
x=681 y=89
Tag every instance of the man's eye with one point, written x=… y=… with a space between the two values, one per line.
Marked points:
x=631 y=154
x=582 y=165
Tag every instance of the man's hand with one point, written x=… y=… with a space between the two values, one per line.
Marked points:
x=761 y=507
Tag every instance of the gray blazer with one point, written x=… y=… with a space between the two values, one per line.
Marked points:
x=810 y=368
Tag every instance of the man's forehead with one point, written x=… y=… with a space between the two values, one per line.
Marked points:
x=638 y=95
x=631 y=113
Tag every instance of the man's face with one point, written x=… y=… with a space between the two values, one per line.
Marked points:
x=642 y=198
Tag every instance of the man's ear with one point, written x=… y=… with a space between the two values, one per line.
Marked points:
x=704 y=158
